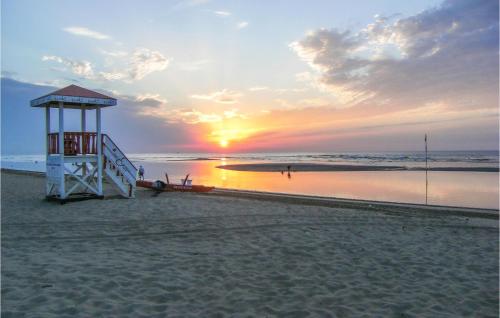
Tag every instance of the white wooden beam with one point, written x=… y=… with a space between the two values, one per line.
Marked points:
x=81 y=181
x=84 y=124
x=99 y=150
x=47 y=129
x=47 y=145
x=61 y=150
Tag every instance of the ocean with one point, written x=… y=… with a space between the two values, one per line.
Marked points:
x=451 y=188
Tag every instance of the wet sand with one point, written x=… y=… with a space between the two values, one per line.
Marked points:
x=297 y=166
x=191 y=255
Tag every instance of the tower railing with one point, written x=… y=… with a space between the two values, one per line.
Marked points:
x=75 y=143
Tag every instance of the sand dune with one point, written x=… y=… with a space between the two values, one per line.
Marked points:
x=180 y=254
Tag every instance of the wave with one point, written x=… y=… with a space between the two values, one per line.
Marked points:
x=489 y=158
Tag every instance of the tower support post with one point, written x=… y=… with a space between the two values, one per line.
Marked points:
x=62 y=193
x=99 y=150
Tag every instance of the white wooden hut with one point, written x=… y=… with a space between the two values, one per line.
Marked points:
x=77 y=161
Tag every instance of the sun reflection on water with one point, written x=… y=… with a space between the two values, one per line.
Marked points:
x=474 y=189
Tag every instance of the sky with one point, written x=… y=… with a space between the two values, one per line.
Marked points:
x=258 y=76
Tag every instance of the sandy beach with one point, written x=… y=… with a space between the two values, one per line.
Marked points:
x=224 y=254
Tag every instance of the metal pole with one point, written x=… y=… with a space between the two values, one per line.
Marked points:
x=426 y=168
x=99 y=150
x=61 y=150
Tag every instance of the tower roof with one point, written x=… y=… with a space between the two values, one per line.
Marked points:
x=74 y=96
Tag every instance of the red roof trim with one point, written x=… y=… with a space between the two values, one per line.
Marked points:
x=77 y=91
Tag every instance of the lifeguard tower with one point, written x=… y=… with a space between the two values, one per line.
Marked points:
x=76 y=160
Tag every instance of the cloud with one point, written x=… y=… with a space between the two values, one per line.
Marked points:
x=81 y=68
x=193 y=65
x=242 y=25
x=9 y=74
x=314 y=102
x=224 y=96
x=438 y=55
x=82 y=31
x=132 y=132
x=157 y=127
x=114 y=53
x=289 y=90
x=150 y=100
x=145 y=61
x=258 y=88
x=138 y=65
x=277 y=90
x=135 y=102
x=283 y=103
x=113 y=76
x=233 y=113
x=436 y=72
x=347 y=129
x=222 y=13
x=191 y=116
x=188 y=4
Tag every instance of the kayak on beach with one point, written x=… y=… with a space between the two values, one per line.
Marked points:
x=186 y=185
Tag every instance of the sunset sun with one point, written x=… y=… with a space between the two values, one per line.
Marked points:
x=223 y=143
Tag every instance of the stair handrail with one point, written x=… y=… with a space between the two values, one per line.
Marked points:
x=119 y=159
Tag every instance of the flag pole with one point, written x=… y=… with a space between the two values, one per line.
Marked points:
x=426 y=169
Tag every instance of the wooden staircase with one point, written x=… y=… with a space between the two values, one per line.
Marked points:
x=118 y=168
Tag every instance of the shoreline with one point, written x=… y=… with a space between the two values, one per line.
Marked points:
x=319 y=167
x=337 y=202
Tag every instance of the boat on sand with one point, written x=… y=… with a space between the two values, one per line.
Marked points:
x=185 y=186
